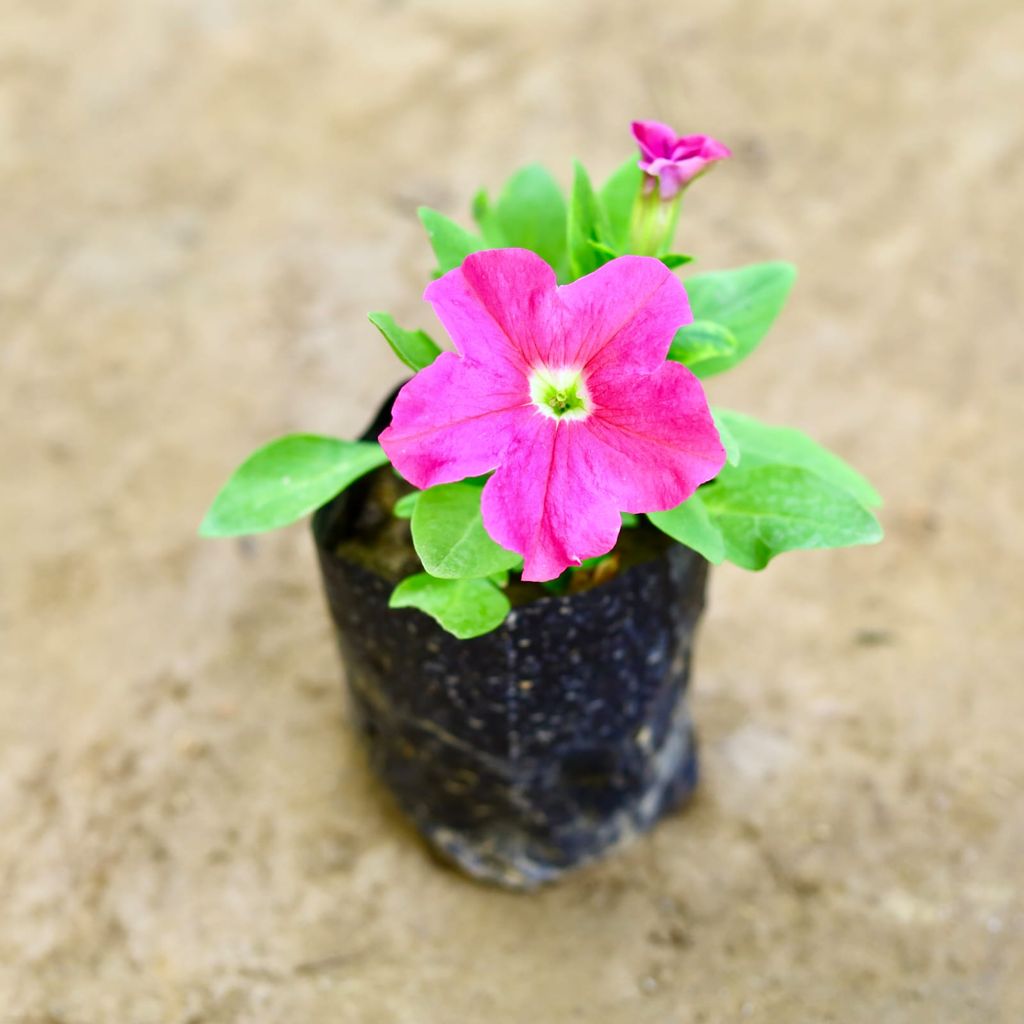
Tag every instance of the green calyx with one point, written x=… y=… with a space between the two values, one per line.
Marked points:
x=652 y=223
x=560 y=394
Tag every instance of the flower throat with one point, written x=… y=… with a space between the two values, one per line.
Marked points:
x=560 y=394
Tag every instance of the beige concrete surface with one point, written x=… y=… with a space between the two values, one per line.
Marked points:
x=200 y=201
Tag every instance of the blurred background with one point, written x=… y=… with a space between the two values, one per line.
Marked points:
x=200 y=201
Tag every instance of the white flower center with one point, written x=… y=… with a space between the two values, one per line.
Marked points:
x=561 y=394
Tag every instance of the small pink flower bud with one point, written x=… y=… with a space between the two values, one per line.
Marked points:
x=670 y=161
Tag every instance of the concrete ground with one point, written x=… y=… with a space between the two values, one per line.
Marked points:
x=200 y=201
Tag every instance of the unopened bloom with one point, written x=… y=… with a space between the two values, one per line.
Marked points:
x=566 y=393
x=672 y=161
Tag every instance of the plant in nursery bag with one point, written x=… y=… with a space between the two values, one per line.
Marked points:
x=565 y=439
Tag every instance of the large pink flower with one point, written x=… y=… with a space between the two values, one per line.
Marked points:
x=566 y=393
x=671 y=160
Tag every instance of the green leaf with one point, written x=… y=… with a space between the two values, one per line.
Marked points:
x=701 y=342
x=465 y=608
x=617 y=196
x=406 y=504
x=690 y=524
x=764 y=510
x=675 y=259
x=629 y=519
x=451 y=243
x=763 y=445
x=586 y=226
x=450 y=538
x=285 y=479
x=415 y=348
x=603 y=250
x=733 y=452
x=744 y=301
x=486 y=216
x=531 y=214
x=483 y=214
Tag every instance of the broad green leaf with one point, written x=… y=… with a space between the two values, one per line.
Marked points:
x=531 y=214
x=733 y=452
x=449 y=536
x=450 y=242
x=617 y=196
x=675 y=259
x=586 y=226
x=690 y=524
x=763 y=445
x=415 y=348
x=629 y=519
x=285 y=479
x=406 y=504
x=764 y=510
x=701 y=342
x=744 y=301
x=499 y=579
x=465 y=608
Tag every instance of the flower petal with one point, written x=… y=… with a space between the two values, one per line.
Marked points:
x=701 y=145
x=499 y=307
x=455 y=419
x=670 y=179
x=654 y=138
x=654 y=441
x=546 y=501
x=624 y=315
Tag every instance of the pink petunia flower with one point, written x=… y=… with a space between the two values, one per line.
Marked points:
x=673 y=161
x=566 y=393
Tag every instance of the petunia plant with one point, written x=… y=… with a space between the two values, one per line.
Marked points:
x=571 y=408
